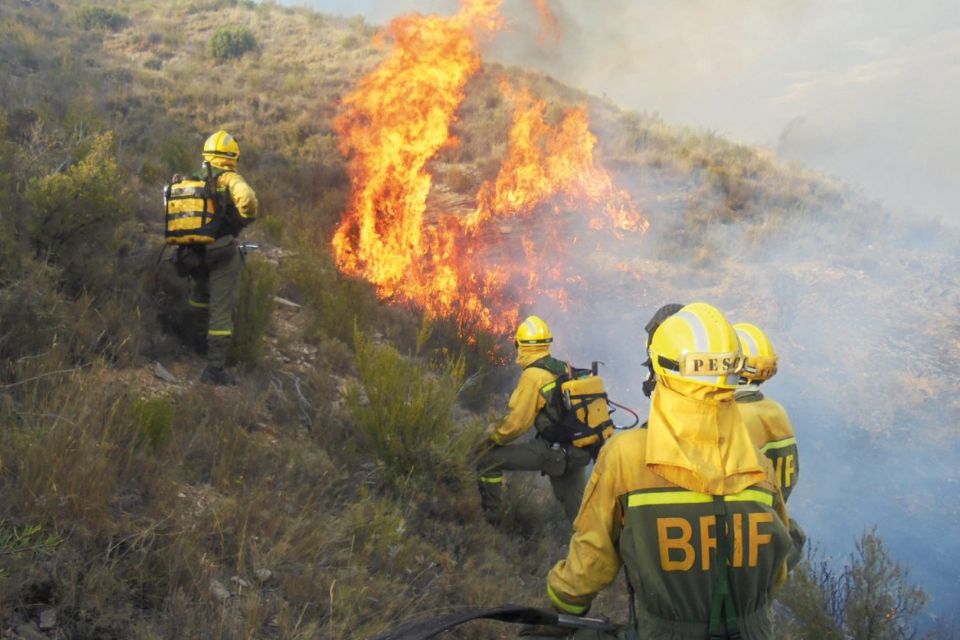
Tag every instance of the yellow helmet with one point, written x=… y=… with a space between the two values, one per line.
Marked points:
x=697 y=344
x=533 y=330
x=761 y=359
x=221 y=150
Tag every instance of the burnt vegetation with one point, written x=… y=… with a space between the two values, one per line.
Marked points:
x=331 y=495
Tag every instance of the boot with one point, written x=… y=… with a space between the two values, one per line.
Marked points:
x=218 y=376
x=491 y=498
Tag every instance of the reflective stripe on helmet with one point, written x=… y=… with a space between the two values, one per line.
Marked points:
x=698 y=329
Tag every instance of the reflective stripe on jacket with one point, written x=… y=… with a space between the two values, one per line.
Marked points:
x=665 y=534
x=771 y=431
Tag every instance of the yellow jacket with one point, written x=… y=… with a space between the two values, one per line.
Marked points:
x=241 y=194
x=772 y=433
x=650 y=506
x=525 y=401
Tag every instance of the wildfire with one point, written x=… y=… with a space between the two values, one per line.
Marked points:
x=551 y=26
x=397 y=119
x=547 y=163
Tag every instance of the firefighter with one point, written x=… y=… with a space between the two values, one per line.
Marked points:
x=563 y=464
x=214 y=269
x=766 y=419
x=656 y=494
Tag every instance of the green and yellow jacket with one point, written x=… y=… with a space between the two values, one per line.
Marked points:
x=650 y=506
x=240 y=198
x=526 y=401
x=771 y=431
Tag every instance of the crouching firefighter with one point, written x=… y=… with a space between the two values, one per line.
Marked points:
x=204 y=217
x=567 y=407
x=688 y=506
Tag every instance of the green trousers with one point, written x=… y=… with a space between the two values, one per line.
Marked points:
x=214 y=296
x=563 y=465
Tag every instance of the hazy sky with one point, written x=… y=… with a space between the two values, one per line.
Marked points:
x=867 y=90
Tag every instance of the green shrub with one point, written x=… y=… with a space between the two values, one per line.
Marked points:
x=257 y=290
x=871 y=597
x=403 y=407
x=89 y=17
x=31 y=313
x=154 y=416
x=28 y=540
x=231 y=42
x=75 y=216
x=337 y=302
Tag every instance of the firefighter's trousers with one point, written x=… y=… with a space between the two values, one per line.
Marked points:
x=563 y=465
x=214 y=296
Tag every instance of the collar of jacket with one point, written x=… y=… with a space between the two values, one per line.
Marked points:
x=223 y=164
x=697 y=440
x=527 y=354
x=748 y=393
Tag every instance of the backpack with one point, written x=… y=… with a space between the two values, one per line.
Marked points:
x=576 y=410
x=192 y=210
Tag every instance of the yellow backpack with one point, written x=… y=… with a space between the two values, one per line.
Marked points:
x=191 y=210
x=576 y=409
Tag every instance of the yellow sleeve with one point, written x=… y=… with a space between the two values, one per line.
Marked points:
x=592 y=562
x=525 y=402
x=243 y=197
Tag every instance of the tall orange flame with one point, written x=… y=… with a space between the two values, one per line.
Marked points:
x=551 y=26
x=395 y=122
x=547 y=162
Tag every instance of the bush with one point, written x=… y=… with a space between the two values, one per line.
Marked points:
x=870 y=598
x=154 y=416
x=402 y=408
x=100 y=18
x=76 y=214
x=337 y=302
x=231 y=42
x=257 y=289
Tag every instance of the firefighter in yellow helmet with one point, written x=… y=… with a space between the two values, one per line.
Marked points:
x=766 y=419
x=656 y=495
x=562 y=463
x=214 y=268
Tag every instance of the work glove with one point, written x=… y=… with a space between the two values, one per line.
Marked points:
x=799 y=538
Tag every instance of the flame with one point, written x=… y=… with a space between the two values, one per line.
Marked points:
x=547 y=162
x=398 y=118
x=551 y=26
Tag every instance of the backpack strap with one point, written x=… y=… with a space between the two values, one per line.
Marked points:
x=724 y=623
x=551 y=364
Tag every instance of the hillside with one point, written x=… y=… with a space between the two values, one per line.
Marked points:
x=140 y=504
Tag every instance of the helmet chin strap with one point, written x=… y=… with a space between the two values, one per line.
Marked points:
x=651 y=382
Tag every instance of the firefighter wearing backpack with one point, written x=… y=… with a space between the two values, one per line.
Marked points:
x=563 y=464
x=656 y=495
x=205 y=227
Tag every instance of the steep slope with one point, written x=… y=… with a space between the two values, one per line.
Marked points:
x=143 y=508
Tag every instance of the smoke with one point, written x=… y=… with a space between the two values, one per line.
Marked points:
x=861 y=305
x=866 y=90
